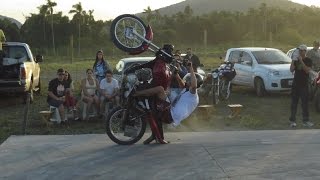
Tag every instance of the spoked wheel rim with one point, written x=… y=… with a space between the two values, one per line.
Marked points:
x=117 y=128
x=225 y=93
x=124 y=32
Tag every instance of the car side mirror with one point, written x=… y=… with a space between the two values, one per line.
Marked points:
x=39 y=58
x=220 y=57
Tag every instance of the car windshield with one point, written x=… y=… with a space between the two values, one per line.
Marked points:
x=271 y=57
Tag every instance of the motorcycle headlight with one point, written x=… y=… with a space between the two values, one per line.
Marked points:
x=274 y=73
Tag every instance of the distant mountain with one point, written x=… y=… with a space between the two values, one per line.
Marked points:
x=206 y=6
x=12 y=20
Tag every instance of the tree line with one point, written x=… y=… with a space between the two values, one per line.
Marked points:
x=52 y=33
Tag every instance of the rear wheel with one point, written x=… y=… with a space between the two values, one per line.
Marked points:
x=224 y=90
x=28 y=93
x=38 y=91
x=215 y=93
x=121 y=132
x=259 y=87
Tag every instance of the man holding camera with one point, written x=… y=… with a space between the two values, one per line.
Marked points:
x=300 y=68
x=179 y=72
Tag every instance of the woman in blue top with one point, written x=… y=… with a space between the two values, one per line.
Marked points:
x=100 y=66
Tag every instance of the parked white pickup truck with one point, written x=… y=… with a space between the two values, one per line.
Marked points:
x=19 y=70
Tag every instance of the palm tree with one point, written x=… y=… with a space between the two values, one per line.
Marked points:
x=148 y=11
x=43 y=11
x=91 y=18
x=77 y=11
x=50 y=4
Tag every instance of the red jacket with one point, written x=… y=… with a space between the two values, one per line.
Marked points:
x=161 y=74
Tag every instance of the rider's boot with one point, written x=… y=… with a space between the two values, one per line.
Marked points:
x=155 y=129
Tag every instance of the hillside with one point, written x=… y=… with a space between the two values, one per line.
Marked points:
x=12 y=20
x=206 y=6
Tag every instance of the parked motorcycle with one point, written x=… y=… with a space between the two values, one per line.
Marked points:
x=219 y=82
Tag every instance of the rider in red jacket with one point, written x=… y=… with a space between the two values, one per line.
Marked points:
x=161 y=76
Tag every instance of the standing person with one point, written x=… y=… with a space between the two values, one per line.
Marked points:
x=301 y=68
x=89 y=88
x=100 y=66
x=193 y=59
x=109 y=90
x=178 y=52
x=56 y=92
x=314 y=55
x=70 y=101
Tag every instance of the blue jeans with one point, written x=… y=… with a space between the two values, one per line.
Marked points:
x=296 y=94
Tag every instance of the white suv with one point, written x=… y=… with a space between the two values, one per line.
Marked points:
x=265 y=69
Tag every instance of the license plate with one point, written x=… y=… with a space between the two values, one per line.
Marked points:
x=290 y=82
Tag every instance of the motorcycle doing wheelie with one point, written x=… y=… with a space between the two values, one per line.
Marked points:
x=220 y=82
x=127 y=124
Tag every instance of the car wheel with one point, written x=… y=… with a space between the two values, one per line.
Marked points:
x=26 y=94
x=259 y=87
x=38 y=91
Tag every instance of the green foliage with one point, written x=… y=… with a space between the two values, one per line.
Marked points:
x=261 y=25
x=291 y=36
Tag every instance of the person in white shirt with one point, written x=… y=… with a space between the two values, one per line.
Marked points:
x=109 y=90
x=183 y=105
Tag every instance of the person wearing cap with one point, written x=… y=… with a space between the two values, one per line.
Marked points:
x=314 y=55
x=56 y=92
x=299 y=90
x=100 y=66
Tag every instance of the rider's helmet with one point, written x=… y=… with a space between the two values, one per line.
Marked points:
x=187 y=79
x=168 y=56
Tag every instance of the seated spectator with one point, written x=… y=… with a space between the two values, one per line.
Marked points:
x=89 y=88
x=56 y=93
x=109 y=88
x=70 y=101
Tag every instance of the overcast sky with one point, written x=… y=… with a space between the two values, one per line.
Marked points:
x=103 y=9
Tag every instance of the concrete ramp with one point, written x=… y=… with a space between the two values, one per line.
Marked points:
x=290 y=154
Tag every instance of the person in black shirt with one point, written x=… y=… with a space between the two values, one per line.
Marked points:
x=56 y=92
x=301 y=68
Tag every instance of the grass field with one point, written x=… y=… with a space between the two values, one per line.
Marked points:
x=269 y=112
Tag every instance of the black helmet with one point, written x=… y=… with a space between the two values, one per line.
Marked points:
x=187 y=79
x=168 y=55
